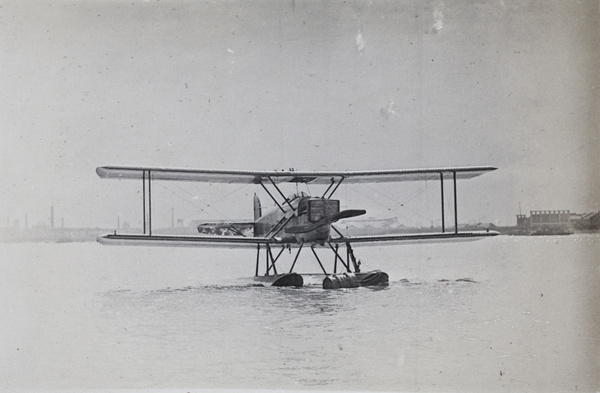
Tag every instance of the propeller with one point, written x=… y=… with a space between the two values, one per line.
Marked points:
x=347 y=214
x=326 y=221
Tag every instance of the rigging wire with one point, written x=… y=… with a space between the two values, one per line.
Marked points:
x=186 y=200
x=206 y=205
x=415 y=195
x=399 y=204
x=388 y=209
x=409 y=198
x=219 y=200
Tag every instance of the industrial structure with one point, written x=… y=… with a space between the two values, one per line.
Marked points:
x=545 y=222
x=556 y=222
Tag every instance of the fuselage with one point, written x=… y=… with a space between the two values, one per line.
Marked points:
x=302 y=219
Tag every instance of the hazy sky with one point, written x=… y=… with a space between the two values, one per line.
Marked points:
x=313 y=85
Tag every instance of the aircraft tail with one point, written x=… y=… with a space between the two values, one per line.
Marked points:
x=257 y=208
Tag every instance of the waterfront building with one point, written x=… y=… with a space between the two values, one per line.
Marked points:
x=542 y=222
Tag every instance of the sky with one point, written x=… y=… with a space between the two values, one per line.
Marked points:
x=310 y=85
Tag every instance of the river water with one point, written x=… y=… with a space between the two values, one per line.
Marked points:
x=500 y=314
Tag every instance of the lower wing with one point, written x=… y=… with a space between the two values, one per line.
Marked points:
x=185 y=241
x=252 y=242
x=414 y=238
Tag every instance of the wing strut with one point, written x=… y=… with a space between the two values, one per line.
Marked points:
x=280 y=193
x=442 y=199
x=144 y=200
x=272 y=197
x=279 y=226
x=147 y=221
x=335 y=188
x=331 y=185
x=455 y=204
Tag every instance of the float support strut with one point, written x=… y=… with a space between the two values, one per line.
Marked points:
x=296 y=258
x=273 y=260
x=352 y=258
x=318 y=260
x=257 y=258
x=337 y=256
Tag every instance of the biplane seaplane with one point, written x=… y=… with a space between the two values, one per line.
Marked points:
x=298 y=222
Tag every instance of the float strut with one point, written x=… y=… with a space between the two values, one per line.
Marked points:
x=257 y=258
x=273 y=260
x=296 y=258
x=267 y=259
x=337 y=256
x=352 y=258
x=318 y=260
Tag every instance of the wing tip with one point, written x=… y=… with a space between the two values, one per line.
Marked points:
x=101 y=172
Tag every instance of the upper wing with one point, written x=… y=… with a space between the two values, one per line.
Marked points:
x=314 y=177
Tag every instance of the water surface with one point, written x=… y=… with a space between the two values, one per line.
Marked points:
x=508 y=313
